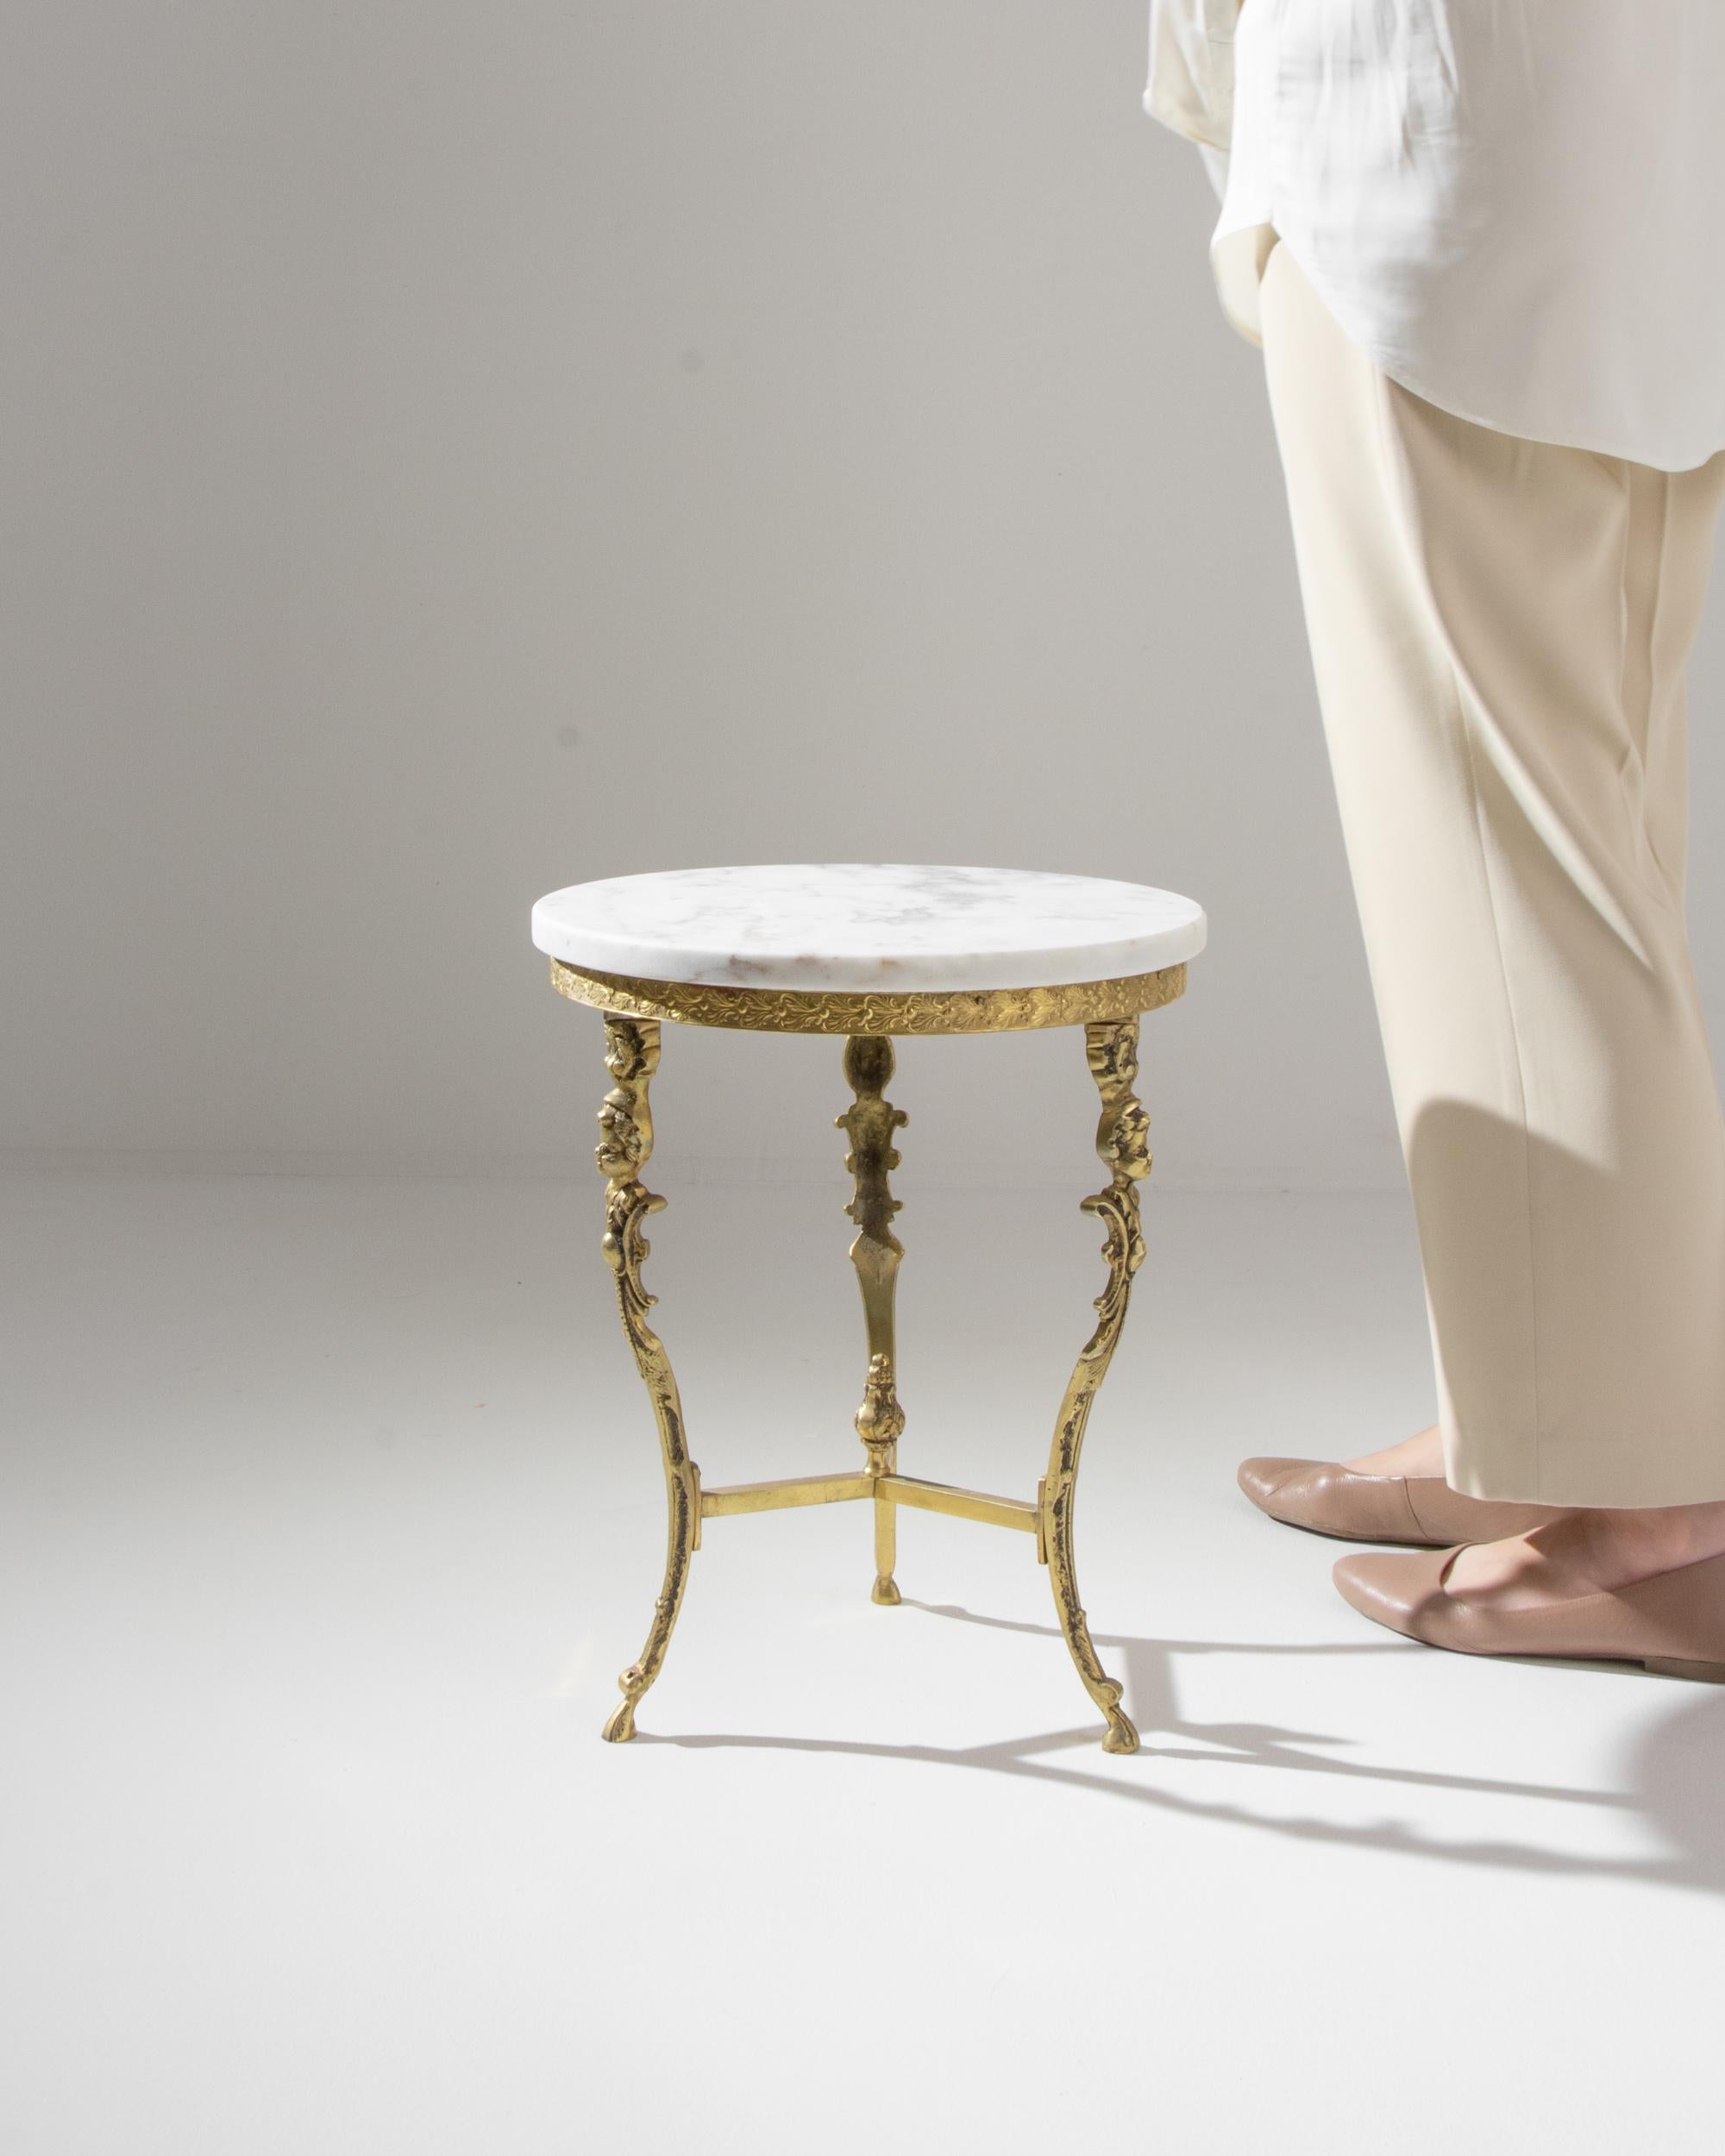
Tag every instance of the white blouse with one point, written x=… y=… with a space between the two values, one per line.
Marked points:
x=1516 y=208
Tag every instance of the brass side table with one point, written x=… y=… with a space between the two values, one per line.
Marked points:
x=867 y=951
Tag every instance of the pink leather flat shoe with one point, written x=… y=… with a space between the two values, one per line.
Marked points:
x=1422 y=1511
x=1674 y=1624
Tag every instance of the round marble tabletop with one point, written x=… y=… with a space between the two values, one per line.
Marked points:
x=862 y=926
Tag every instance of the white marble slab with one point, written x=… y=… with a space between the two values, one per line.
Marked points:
x=867 y=925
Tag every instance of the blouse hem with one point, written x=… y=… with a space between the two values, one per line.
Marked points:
x=1409 y=378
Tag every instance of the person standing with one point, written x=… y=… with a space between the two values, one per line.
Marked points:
x=1480 y=243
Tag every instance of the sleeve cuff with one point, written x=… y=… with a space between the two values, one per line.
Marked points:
x=1190 y=88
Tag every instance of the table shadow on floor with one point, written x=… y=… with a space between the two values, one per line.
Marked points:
x=1678 y=1765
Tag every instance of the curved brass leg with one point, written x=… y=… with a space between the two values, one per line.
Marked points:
x=870 y=1122
x=1122 y=1142
x=631 y=1055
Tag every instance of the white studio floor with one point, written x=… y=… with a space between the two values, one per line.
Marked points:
x=332 y=1509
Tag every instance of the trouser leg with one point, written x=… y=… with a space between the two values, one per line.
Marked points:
x=1499 y=629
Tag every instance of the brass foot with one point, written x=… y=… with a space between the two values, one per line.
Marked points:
x=621 y=1726
x=886 y=1591
x=1121 y=1737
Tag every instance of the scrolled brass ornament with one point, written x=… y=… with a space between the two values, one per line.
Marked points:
x=631 y=1055
x=870 y=1122
x=1122 y=1142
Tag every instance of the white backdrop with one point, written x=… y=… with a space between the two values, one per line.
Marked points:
x=453 y=450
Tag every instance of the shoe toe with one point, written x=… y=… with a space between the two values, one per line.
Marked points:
x=1391 y=1586
x=1261 y=1479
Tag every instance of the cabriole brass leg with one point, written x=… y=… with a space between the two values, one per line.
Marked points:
x=631 y=1055
x=1122 y=1142
x=870 y=1123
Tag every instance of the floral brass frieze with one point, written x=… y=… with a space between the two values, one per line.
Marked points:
x=837 y=1011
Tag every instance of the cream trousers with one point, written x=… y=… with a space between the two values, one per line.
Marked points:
x=1499 y=628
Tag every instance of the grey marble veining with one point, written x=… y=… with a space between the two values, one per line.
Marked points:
x=861 y=925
